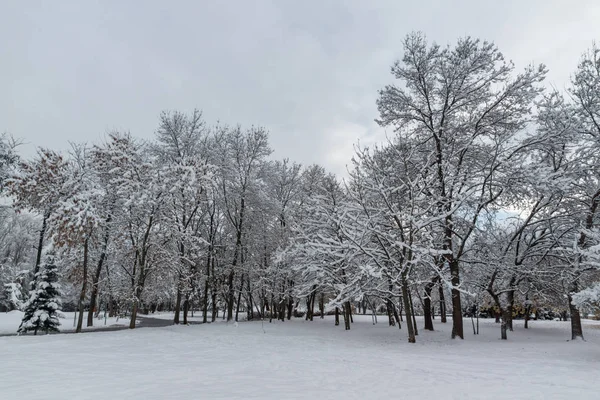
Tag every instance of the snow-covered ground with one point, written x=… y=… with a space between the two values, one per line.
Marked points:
x=303 y=360
x=10 y=321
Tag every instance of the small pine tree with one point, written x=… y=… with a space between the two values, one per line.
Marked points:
x=42 y=310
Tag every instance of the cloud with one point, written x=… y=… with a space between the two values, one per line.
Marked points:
x=308 y=71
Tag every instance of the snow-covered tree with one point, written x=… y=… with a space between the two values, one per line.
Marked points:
x=42 y=311
x=465 y=105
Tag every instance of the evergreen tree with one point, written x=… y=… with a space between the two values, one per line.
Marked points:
x=42 y=308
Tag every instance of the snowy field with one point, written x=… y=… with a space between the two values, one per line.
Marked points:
x=303 y=360
x=10 y=321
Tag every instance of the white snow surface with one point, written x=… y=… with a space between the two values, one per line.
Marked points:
x=304 y=360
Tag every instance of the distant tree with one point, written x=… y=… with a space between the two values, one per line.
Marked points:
x=42 y=310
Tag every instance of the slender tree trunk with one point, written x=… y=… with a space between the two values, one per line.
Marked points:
x=40 y=247
x=427 y=307
x=178 y=302
x=205 y=294
x=230 y=296
x=186 y=308
x=504 y=325
x=272 y=310
x=397 y=317
x=576 y=328
x=401 y=307
x=96 y=280
x=409 y=321
x=307 y=316
x=443 y=311
x=322 y=305
x=214 y=312
x=412 y=311
x=347 y=315
x=337 y=316
x=390 y=312
x=250 y=302
x=290 y=307
x=457 y=321
x=134 y=309
x=509 y=309
x=239 y=299
x=84 y=286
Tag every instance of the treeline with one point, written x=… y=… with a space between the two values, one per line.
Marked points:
x=485 y=196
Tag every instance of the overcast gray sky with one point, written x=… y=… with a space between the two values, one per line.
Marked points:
x=307 y=70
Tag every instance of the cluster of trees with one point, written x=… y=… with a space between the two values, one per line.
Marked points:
x=485 y=195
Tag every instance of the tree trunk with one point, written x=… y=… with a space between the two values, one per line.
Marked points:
x=38 y=258
x=177 y=302
x=457 y=321
x=96 y=279
x=186 y=308
x=510 y=297
x=337 y=316
x=95 y=282
x=239 y=299
x=576 y=328
x=427 y=307
x=290 y=307
x=84 y=286
x=409 y=321
x=397 y=317
x=213 y=300
x=412 y=311
x=390 y=312
x=347 y=315
x=504 y=325
x=322 y=305
x=205 y=294
x=230 y=296
x=442 y=303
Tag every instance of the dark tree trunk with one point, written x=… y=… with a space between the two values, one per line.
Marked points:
x=290 y=307
x=186 y=308
x=406 y=300
x=510 y=296
x=239 y=299
x=322 y=305
x=83 y=287
x=136 y=301
x=427 y=307
x=178 y=302
x=308 y=316
x=390 y=312
x=347 y=315
x=397 y=317
x=205 y=294
x=337 y=316
x=457 y=321
x=504 y=324
x=96 y=279
x=412 y=311
x=442 y=303
x=40 y=247
x=215 y=309
x=576 y=328
x=230 y=296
